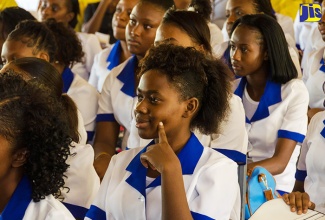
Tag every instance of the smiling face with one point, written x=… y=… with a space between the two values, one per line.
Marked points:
x=141 y=29
x=158 y=101
x=236 y=9
x=56 y=9
x=121 y=17
x=247 y=51
x=170 y=33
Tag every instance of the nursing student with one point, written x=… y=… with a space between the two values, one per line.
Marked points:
x=275 y=101
x=117 y=53
x=60 y=46
x=189 y=29
x=314 y=77
x=75 y=196
x=67 y=11
x=173 y=177
x=118 y=97
x=238 y=8
x=34 y=149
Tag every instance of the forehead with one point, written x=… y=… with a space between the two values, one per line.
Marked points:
x=147 y=11
x=245 y=34
x=243 y=4
x=17 y=47
x=166 y=31
x=127 y=3
x=56 y=2
x=154 y=80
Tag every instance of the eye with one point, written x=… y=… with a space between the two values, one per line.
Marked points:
x=118 y=10
x=232 y=47
x=227 y=15
x=132 y=22
x=55 y=8
x=140 y=97
x=153 y=99
x=4 y=61
x=129 y=12
x=147 y=26
x=239 y=13
x=244 y=49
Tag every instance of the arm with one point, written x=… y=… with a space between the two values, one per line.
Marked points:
x=95 y=22
x=278 y=162
x=104 y=145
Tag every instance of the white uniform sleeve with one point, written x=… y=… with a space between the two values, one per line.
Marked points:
x=294 y=125
x=217 y=192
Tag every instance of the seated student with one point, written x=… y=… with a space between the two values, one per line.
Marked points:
x=314 y=77
x=189 y=29
x=98 y=17
x=238 y=8
x=9 y=18
x=118 y=95
x=66 y=11
x=77 y=197
x=117 y=53
x=174 y=177
x=309 y=191
x=60 y=46
x=275 y=101
x=34 y=149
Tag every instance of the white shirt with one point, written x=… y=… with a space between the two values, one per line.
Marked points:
x=231 y=141
x=218 y=15
x=117 y=99
x=85 y=96
x=215 y=35
x=21 y=206
x=210 y=182
x=311 y=163
x=281 y=113
x=90 y=47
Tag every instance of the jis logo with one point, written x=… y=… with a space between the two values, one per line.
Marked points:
x=310 y=12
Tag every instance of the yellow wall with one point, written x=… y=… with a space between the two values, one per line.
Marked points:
x=288 y=7
x=7 y=3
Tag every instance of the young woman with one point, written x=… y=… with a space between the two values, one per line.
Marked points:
x=117 y=53
x=9 y=18
x=275 y=102
x=34 y=149
x=66 y=11
x=60 y=46
x=189 y=29
x=174 y=177
x=76 y=197
x=118 y=96
x=236 y=9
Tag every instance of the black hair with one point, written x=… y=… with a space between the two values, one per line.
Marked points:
x=31 y=118
x=11 y=16
x=47 y=74
x=36 y=35
x=73 y=6
x=193 y=24
x=69 y=48
x=194 y=74
x=282 y=68
x=203 y=7
x=163 y=4
x=264 y=6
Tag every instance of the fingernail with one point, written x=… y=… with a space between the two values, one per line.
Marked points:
x=161 y=124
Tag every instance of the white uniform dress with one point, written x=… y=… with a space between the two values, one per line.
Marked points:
x=218 y=15
x=232 y=140
x=85 y=96
x=281 y=113
x=314 y=79
x=90 y=47
x=215 y=35
x=118 y=97
x=104 y=62
x=21 y=206
x=210 y=181
x=311 y=163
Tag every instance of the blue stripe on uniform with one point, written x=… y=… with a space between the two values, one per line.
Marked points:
x=105 y=117
x=301 y=175
x=198 y=216
x=96 y=213
x=291 y=135
x=78 y=212
x=236 y=156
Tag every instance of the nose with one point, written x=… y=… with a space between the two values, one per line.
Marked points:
x=140 y=108
x=136 y=30
x=235 y=54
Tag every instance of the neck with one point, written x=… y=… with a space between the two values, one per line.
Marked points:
x=8 y=184
x=256 y=84
x=125 y=52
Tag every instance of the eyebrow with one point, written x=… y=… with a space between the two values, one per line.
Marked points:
x=149 y=92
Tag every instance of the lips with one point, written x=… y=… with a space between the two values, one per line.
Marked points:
x=235 y=66
x=141 y=122
x=132 y=42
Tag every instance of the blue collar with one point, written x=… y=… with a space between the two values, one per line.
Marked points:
x=67 y=77
x=188 y=157
x=127 y=76
x=114 y=56
x=323 y=131
x=19 y=201
x=271 y=96
x=322 y=67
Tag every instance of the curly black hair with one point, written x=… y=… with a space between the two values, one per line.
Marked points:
x=31 y=118
x=69 y=46
x=36 y=35
x=194 y=74
x=46 y=74
x=203 y=7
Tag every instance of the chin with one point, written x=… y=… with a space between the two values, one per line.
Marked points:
x=146 y=135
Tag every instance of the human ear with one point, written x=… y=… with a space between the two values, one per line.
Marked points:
x=44 y=56
x=19 y=157
x=70 y=16
x=191 y=107
x=266 y=56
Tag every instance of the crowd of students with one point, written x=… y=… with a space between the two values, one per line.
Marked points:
x=192 y=99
